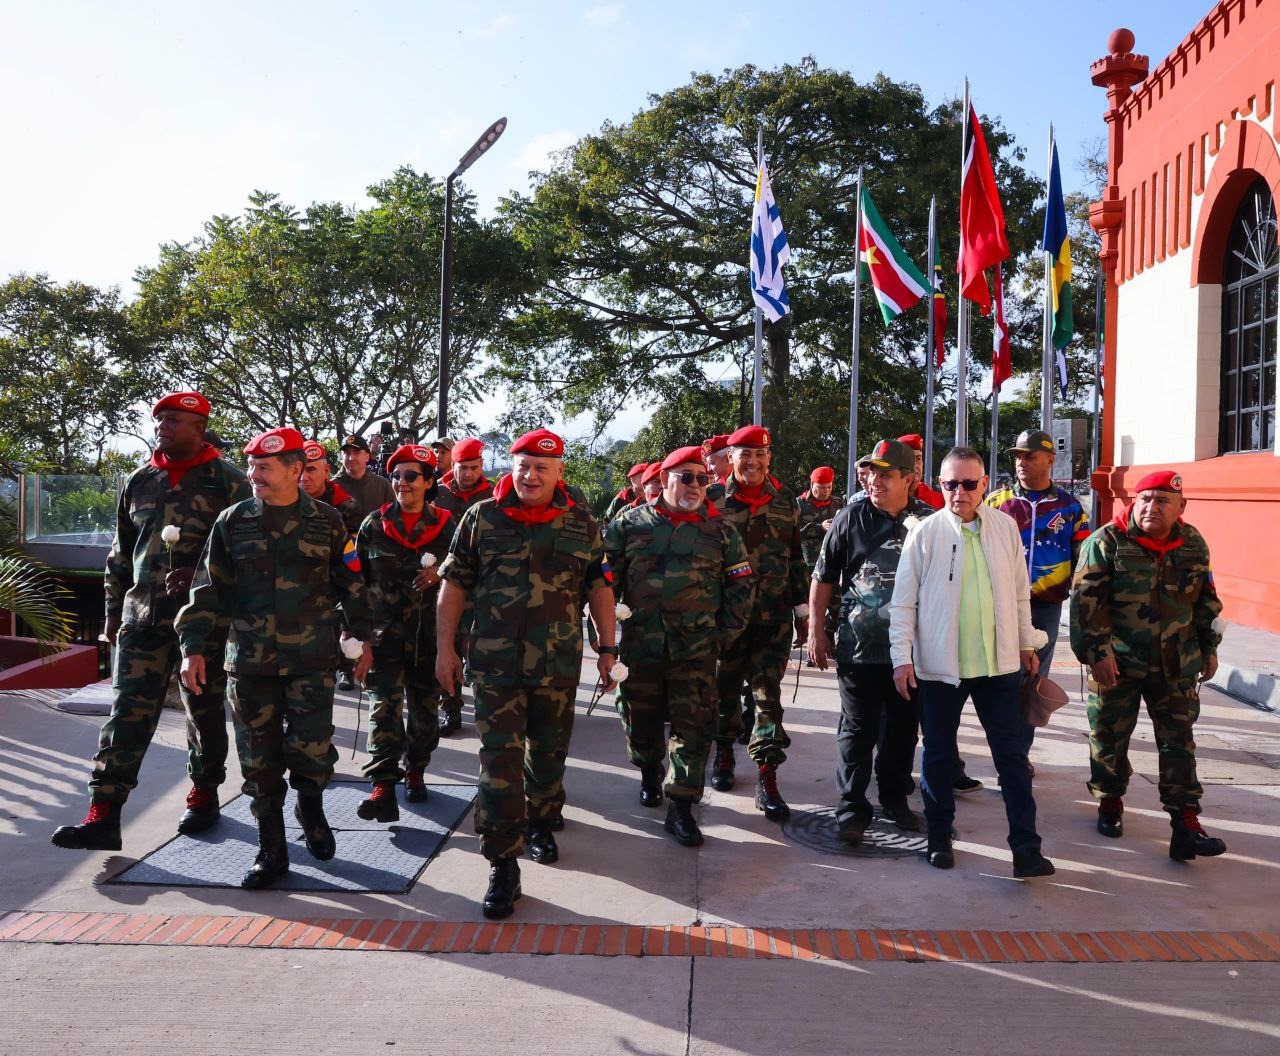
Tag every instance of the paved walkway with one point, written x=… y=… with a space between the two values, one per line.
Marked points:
x=758 y=942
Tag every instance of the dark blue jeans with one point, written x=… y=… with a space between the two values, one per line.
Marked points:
x=996 y=702
x=1045 y=618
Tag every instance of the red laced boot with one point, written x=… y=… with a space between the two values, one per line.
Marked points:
x=202 y=811
x=381 y=804
x=100 y=830
x=1189 y=838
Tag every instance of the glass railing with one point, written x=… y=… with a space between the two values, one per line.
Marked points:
x=69 y=510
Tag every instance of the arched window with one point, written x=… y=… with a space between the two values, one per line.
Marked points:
x=1249 y=300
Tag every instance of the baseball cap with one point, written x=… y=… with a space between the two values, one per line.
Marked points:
x=1030 y=440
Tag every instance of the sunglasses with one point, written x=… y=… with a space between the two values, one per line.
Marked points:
x=953 y=485
x=408 y=476
x=689 y=477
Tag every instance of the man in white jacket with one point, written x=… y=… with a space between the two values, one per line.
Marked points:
x=960 y=627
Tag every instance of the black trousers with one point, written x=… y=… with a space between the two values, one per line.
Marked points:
x=873 y=720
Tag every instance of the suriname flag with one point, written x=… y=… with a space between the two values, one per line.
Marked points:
x=898 y=283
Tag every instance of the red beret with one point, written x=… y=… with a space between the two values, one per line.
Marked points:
x=913 y=440
x=191 y=402
x=750 y=436
x=313 y=450
x=465 y=450
x=649 y=474
x=823 y=475
x=712 y=444
x=539 y=442
x=1161 y=480
x=681 y=457
x=412 y=453
x=281 y=441
x=638 y=469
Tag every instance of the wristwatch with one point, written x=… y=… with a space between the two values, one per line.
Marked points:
x=602 y=649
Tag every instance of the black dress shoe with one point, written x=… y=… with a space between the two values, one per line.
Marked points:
x=542 y=844
x=1189 y=840
x=768 y=798
x=1111 y=817
x=309 y=810
x=851 y=830
x=651 y=786
x=504 y=889
x=202 y=811
x=901 y=815
x=681 y=824
x=1029 y=862
x=722 y=779
x=100 y=830
x=272 y=861
x=939 y=854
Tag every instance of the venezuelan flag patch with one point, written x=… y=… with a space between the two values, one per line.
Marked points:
x=742 y=568
x=605 y=570
x=351 y=557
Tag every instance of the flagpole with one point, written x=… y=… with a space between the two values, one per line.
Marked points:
x=1099 y=345
x=962 y=308
x=852 y=474
x=757 y=398
x=1046 y=353
x=930 y=341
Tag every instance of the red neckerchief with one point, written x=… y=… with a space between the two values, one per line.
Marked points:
x=447 y=480
x=754 y=498
x=465 y=496
x=930 y=497
x=1125 y=521
x=522 y=514
x=626 y=495
x=176 y=469
x=814 y=502
x=417 y=535
x=705 y=512
x=340 y=494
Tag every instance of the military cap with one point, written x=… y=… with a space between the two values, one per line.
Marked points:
x=638 y=469
x=541 y=442
x=280 y=441
x=412 y=453
x=191 y=402
x=750 y=436
x=356 y=441
x=712 y=444
x=891 y=454
x=1030 y=440
x=1161 y=480
x=681 y=457
x=465 y=450
x=913 y=440
x=314 y=451
x=823 y=475
x=654 y=469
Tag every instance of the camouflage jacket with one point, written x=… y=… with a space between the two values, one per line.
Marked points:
x=457 y=503
x=403 y=618
x=1151 y=611
x=618 y=504
x=139 y=558
x=276 y=597
x=812 y=514
x=348 y=509
x=527 y=585
x=688 y=585
x=779 y=575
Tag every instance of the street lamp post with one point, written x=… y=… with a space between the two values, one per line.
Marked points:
x=446 y=265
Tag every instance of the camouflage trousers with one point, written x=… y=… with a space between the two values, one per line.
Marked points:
x=683 y=695
x=398 y=731
x=283 y=723
x=524 y=742
x=451 y=703
x=145 y=660
x=1174 y=707
x=759 y=658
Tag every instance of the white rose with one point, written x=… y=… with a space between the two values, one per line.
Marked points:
x=171 y=533
x=910 y=521
x=428 y=560
x=1039 y=639
x=802 y=610
x=1219 y=626
x=352 y=648
x=622 y=610
x=619 y=671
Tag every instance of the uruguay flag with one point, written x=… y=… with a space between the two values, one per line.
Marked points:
x=769 y=251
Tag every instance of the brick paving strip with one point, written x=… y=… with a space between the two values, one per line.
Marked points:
x=624 y=940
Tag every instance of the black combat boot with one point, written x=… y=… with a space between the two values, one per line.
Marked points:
x=722 y=769
x=450 y=721
x=651 y=785
x=681 y=824
x=768 y=798
x=1029 y=862
x=309 y=810
x=504 y=889
x=273 y=853
x=381 y=804
x=939 y=853
x=1189 y=838
x=542 y=844
x=415 y=788
x=1111 y=817
x=100 y=830
x=202 y=811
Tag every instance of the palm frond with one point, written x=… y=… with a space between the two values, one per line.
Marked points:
x=34 y=598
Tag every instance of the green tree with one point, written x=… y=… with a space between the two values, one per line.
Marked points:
x=328 y=318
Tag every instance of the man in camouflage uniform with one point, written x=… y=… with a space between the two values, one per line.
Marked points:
x=316 y=483
x=465 y=486
x=715 y=453
x=184 y=486
x=1144 y=619
x=627 y=495
x=683 y=571
x=274 y=571
x=528 y=560
x=401 y=548
x=765 y=514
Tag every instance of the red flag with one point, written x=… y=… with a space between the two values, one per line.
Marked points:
x=982 y=236
x=1001 y=357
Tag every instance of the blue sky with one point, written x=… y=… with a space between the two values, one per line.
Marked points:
x=129 y=124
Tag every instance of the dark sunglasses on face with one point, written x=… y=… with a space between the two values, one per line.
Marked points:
x=689 y=477
x=952 y=485
x=407 y=476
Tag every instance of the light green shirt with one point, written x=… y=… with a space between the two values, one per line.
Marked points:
x=977 y=608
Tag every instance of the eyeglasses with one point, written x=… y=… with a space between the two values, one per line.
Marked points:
x=408 y=476
x=690 y=477
x=953 y=485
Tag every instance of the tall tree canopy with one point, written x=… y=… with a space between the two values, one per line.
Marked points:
x=328 y=318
